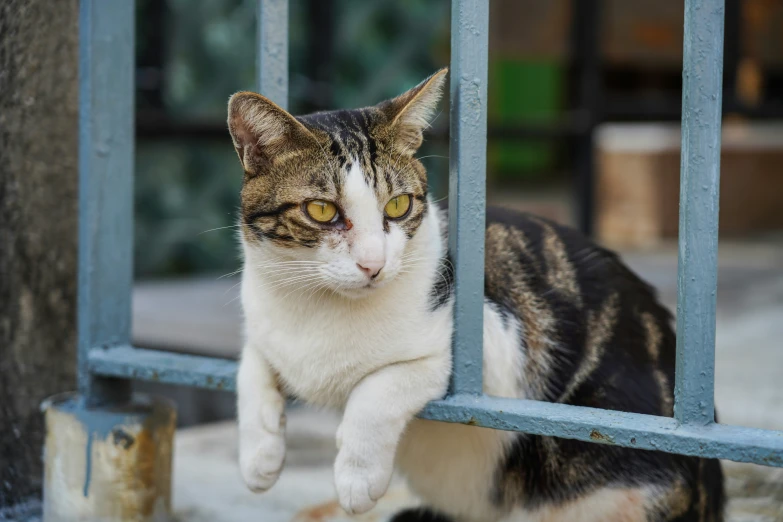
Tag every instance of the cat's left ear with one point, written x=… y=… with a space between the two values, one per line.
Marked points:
x=410 y=113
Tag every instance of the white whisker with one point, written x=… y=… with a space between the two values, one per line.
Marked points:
x=279 y=283
x=222 y=228
x=432 y=156
x=303 y=287
x=235 y=272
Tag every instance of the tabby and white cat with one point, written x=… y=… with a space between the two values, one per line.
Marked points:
x=348 y=301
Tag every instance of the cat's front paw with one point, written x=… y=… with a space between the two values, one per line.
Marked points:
x=361 y=479
x=261 y=458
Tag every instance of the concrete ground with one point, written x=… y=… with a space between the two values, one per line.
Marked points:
x=202 y=316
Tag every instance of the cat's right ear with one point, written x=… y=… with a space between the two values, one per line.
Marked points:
x=410 y=113
x=263 y=132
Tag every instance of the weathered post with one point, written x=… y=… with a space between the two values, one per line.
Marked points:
x=108 y=463
x=108 y=452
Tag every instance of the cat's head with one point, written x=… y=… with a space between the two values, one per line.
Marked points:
x=337 y=195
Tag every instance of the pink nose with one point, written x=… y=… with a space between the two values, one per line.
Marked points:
x=371 y=268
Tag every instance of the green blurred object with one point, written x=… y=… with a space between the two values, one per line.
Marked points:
x=523 y=91
x=186 y=197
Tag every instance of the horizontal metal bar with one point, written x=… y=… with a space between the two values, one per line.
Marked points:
x=630 y=430
x=167 y=367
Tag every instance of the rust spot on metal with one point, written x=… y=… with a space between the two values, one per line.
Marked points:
x=597 y=435
x=127 y=459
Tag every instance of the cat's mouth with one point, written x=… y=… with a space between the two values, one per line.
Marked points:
x=360 y=291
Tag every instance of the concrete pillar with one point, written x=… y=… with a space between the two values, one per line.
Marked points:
x=108 y=464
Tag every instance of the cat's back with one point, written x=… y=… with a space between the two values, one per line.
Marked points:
x=595 y=334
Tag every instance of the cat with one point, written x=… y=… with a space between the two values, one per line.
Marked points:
x=347 y=299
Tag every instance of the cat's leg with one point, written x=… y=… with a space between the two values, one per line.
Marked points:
x=261 y=415
x=378 y=410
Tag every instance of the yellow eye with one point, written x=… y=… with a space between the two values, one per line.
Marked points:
x=321 y=211
x=398 y=206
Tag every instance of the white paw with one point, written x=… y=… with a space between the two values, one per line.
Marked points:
x=261 y=458
x=361 y=480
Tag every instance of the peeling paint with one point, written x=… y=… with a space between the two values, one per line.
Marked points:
x=122 y=438
x=88 y=466
x=111 y=463
x=600 y=437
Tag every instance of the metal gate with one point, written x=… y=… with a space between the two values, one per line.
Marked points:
x=107 y=360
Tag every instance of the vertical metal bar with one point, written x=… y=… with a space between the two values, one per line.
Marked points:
x=697 y=279
x=106 y=64
x=467 y=186
x=586 y=53
x=272 y=50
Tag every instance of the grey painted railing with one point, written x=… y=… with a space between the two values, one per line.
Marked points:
x=467 y=187
x=107 y=360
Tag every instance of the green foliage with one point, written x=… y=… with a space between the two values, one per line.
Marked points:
x=186 y=200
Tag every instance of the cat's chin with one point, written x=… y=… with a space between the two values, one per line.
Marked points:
x=359 y=292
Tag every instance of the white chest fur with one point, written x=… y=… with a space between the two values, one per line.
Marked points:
x=323 y=345
x=321 y=354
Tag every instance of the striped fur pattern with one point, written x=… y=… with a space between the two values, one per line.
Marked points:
x=564 y=321
x=290 y=160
